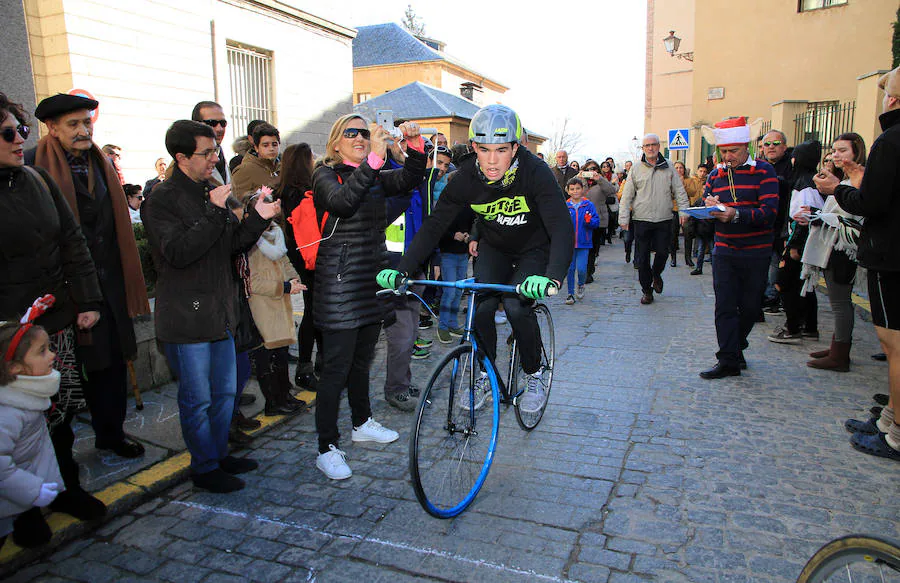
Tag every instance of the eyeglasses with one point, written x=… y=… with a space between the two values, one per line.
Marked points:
x=216 y=122
x=592 y=169
x=773 y=143
x=351 y=133
x=650 y=145
x=9 y=134
x=444 y=150
x=827 y=160
x=208 y=154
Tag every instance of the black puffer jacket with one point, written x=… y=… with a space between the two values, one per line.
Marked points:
x=878 y=199
x=193 y=242
x=349 y=260
x=42 y=251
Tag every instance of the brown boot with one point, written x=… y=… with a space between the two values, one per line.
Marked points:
x=244 y=423
x=236 y=436
x=822 y=353
x=838 y=358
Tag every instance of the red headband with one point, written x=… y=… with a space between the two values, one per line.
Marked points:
x=37 y=309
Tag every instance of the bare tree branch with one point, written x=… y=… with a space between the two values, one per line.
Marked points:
x=564 y=138
x=412 y=23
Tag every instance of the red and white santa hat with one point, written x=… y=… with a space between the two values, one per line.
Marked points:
x=732 y=132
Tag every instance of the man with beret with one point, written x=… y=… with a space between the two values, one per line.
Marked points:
x=748 y=189
x=91 y=187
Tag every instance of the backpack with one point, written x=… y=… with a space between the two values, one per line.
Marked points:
x=308 y=228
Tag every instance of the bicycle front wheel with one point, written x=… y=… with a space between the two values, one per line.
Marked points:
x=454 y=436
x=855 y=558
x=528 y=420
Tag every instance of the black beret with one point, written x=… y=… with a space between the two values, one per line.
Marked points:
x=61 y=104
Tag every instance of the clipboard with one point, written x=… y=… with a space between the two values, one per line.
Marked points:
x=702 y=212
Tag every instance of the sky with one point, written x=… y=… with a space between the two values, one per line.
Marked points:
x=578 y=59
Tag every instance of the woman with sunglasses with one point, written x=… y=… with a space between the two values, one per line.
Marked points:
x=44 y=252
x=351 y=185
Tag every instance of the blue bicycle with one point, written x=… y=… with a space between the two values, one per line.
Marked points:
x=454 y=435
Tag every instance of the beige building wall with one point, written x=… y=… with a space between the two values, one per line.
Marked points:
x=379 y=80
x=148 y=63
x=763 y=52
x=669 y=79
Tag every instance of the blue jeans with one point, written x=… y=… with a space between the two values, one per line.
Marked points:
x=454 y=267
x=579 y=264
x=207 y=384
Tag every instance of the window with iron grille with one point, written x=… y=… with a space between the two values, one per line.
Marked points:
x=806 y=5
x=250 y=75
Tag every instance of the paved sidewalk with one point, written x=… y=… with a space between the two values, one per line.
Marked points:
x=640 y=471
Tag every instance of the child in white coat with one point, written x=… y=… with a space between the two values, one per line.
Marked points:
x=29 y=474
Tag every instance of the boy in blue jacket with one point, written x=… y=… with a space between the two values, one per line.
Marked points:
x=586 y=219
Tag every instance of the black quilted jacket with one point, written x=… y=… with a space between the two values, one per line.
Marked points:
x=348 y=261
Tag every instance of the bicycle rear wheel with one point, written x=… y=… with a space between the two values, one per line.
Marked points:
x=530 y=420
x=452 y=446
x=855 y=558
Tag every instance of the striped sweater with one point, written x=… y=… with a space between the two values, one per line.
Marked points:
x=755 y=198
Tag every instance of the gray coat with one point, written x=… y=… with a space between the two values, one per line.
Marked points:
x=27 y=459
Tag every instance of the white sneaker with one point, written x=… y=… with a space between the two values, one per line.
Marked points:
x=579 y=292
x=372 y=430
x=499 y=317
x=482 y=390
x=333 y=464
x=534 y=396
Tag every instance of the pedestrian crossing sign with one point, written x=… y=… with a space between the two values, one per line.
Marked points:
x=679 y=139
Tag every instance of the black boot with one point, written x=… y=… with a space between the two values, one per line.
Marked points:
x=78 y=503
x=284 y=388
x=30 y=529
x=274 y=406
x=305 y=378
x=236 y=436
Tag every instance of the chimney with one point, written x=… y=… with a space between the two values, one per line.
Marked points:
x=468 y=90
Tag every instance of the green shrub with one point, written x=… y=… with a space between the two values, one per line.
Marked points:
x=143 y=247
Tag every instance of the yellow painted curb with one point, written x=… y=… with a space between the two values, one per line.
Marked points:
x=857 y=300
x=160 y=471
x=115 y=492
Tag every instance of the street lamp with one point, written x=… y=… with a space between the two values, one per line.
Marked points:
x=672 y=43
x=635 y=147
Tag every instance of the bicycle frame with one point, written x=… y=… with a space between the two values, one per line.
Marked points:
x=469 y=335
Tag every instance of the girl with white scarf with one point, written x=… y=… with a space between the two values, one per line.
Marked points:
x=270 y=304
x=831 y=249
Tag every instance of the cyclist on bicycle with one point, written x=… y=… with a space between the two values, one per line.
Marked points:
x=525 y=237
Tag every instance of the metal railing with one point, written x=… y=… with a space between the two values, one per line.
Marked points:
x=824 y=121
x=249 y=72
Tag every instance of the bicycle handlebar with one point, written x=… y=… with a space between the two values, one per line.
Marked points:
x=469 y=284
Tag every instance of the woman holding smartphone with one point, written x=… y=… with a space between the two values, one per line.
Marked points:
x=838 y=253
x=351 y=185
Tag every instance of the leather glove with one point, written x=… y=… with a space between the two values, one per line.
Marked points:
x=537 y=287
x=390 y=278
x=587 y=218
x=48 y=493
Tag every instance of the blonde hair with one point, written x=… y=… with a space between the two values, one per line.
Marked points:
x=334 y=137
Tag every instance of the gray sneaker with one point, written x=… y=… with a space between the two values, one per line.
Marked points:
x=534 y=397
x=402 y=400
x=482 y=390
x=579 y=292
x=782 y=336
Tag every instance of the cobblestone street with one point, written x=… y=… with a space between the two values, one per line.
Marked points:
x=640 y=471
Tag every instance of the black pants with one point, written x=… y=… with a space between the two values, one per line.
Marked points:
x=738 y=283
x=63 y=438
x=106 y=393
x=651 y=237
x=494 y=266
x=676 y=230
x=307 y=334
x=347 y=357
x=598 y=239
x=801 y=312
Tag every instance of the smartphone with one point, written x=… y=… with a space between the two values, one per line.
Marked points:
x=385 y=118
x=588 y=174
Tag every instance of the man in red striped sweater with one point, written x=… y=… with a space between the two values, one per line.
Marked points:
x=748 y=189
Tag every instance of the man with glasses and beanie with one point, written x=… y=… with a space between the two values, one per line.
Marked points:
x=877 y=198
x=748 y=189
x=212 y=114
x=646 y=206
x=91 y=186
x=193 y=237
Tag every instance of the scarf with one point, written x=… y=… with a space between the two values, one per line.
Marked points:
x=271 y=243
x=30 y=393
x=838 y=231
x=51 y=156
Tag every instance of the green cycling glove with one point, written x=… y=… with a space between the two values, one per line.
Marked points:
x=389 y=278
x=537 y=287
